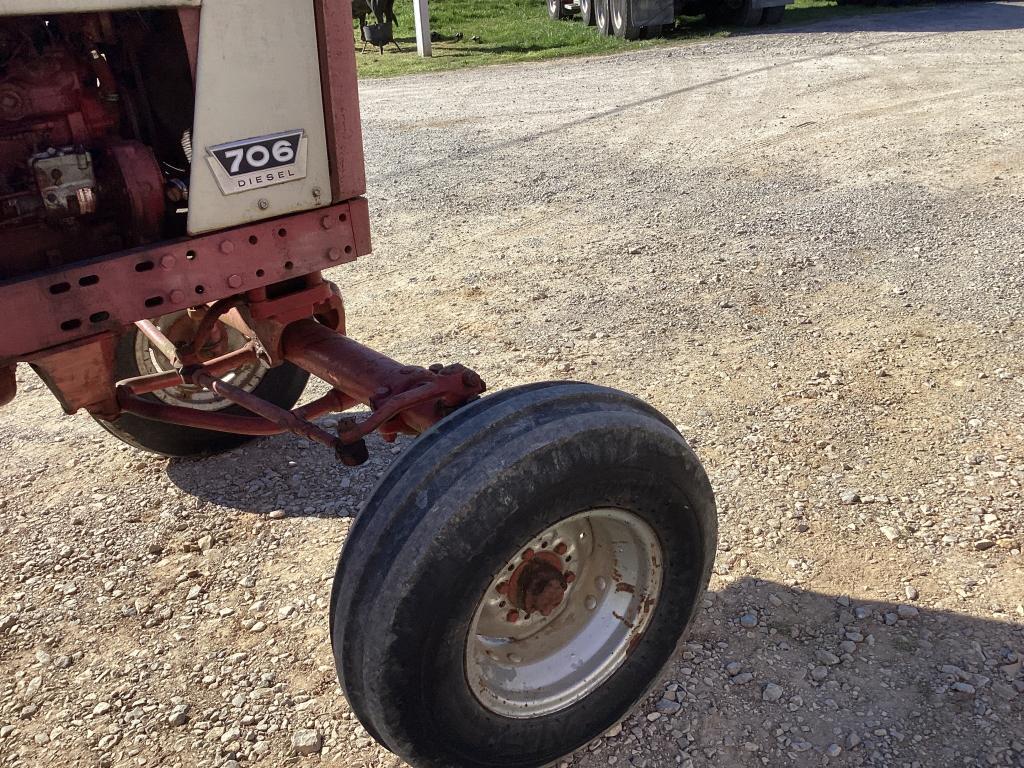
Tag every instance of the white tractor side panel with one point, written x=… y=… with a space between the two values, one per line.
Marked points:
x=258 y=75
x=26 y=7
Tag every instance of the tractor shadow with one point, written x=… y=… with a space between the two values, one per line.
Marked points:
x=950 y=17
x=286 y=473
x=911 y=682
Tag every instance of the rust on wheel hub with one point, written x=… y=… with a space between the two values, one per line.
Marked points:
x=538 y=584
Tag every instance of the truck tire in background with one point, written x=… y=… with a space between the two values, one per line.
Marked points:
x=622 y=20
x=742 y=13
x=587 y=12
x=603 y=16
x=556 y=10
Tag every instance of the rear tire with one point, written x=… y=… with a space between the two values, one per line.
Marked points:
x=737 y=12
x=603 y=16
x=556 y=10
x=774 y=14
x=453 y=515
x=283 y=386
x=587 y=12
x=622 y=20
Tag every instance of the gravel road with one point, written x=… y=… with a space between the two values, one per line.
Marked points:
x=805 y=246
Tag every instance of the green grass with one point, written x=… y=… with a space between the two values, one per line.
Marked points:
x=520 y=30
x=508 y=30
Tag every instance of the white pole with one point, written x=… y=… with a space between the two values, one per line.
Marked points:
x=422 y=27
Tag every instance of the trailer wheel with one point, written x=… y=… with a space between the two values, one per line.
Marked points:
x=737 y=12
x=556 y=10
x=134 y=356
x=603 y=16
x=587 y=12
x=773 y=15
x=520 y=576
x=622 y=19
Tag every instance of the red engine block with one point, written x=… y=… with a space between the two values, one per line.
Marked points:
x=70 y=186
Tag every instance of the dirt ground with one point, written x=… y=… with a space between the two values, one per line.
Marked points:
x=805 y=246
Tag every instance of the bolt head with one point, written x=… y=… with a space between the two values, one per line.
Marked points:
x=327 y=222
x=167 y=261
x=512 y=616
x=334 y=254
x=263 y=203
x=226 y=247
x=177 y=296
x=235 y=281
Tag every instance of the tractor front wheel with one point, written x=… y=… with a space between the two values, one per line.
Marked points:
x=520 y=577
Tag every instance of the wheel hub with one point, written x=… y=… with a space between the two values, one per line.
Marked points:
x=539 y=583
x=564 y=613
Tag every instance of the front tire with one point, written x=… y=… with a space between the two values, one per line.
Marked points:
x=581 y=501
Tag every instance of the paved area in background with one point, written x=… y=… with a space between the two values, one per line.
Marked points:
x=804 y=246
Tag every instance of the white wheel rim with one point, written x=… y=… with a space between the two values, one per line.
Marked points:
x=150 y=360
x=529 y=664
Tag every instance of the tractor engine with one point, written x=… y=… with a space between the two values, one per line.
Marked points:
x=92 y=160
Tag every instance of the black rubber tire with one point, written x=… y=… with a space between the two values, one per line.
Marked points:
x=622 y=19
x=282 y=385
x=451 y=512
x=587 y=12
x=556 y=10
x=603 y=16
x=774 y=14
x=739 y=13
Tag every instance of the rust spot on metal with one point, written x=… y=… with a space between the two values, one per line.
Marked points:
x=633 y=643
x=527 y=554
x=623 y=619
x=502 y=588
x=512 y=616
x=624 y=587
x=538 y=584
x=560 y=548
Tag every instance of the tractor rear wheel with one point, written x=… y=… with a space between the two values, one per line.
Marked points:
x=135 y=356
x=774 y=14
x=520 y=576
x=587 y=12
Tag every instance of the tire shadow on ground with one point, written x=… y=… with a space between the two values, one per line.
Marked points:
x=287 y=473
x=883 y=681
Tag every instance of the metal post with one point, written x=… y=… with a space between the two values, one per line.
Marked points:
x=422 y=13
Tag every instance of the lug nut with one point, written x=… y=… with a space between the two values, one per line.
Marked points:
x=570 y=577
x=502 y=588
x=560 y=548
x=512 y=616
x=527 y=554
